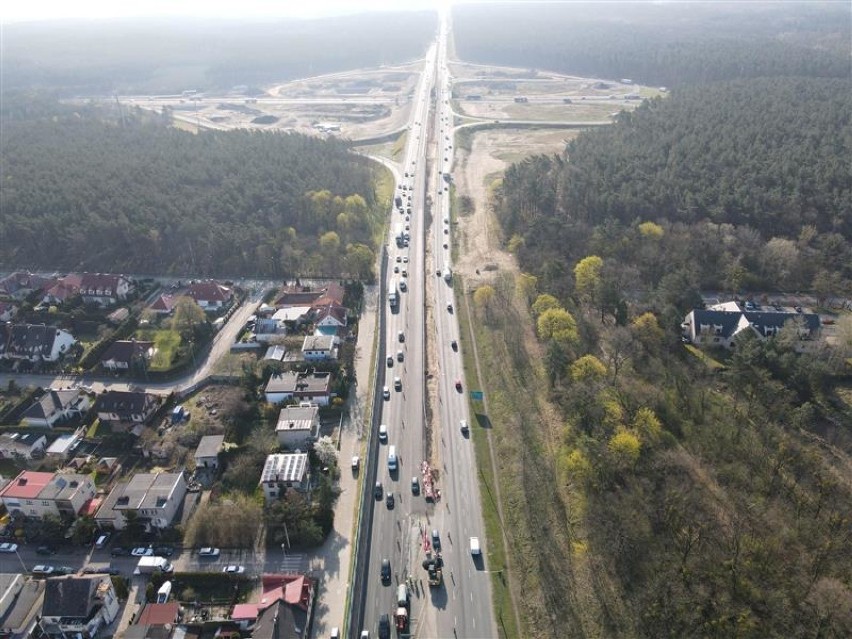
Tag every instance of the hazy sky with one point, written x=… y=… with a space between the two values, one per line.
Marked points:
x=21 y=10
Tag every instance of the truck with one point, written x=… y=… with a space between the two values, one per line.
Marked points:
x=400 y=235
x=393 y=294
x=148 y=565
x=475 y=548
x=434 y=565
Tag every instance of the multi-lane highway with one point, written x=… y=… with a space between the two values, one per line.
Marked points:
x=461 y=606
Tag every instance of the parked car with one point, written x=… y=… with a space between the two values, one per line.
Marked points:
x=42 y=570
x=45 y=550
x=390 y=361
x=164 y=551
x=119 y=551
x=356 y=461
x=454 y=345
x=208 y=552
x=7 y=547
x=234 y=570
x=142 y=551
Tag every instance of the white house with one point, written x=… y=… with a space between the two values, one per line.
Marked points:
x=34 y=342
x=62 y=446
x=78 y=606
x=297 y=426
x=283 y=471
x=36 y=494
x=207 y=453
x=154 y=497
x=22 y=445
x=104 y=289
x=720 y=326
x=54 y=406
x=210 y=295
x=319 y=348
x=303 y=387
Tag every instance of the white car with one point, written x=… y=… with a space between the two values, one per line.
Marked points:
x=142 y=552
x=386 y=392
x=405 y=260
x=234 y=570
x=7 y=547
x=42 y=570
x=208 y=552
x=355 y=462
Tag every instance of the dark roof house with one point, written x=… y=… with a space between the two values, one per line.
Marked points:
x=126 y=354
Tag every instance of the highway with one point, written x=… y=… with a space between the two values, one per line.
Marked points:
x=461 y=606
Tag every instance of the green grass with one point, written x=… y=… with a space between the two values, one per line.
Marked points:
x=166 y=342
x=9 y=468
x=709 y=362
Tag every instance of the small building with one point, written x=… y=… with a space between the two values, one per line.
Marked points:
x=310 y=387
x=163 y=305
x=207 y=453
x=159 y=614
x=37 y=495
x=22 y=445
x=61 y=289
x=126 y=407
x=298 y=426
x=282 y=471
x=210 y=295
x=330 y=318
x=20 y=284
x=104 y=289
x=124 y=355
x=154 y=497
x=20 y=604
x=78 y=606
x=34 y=342
x=62 y=447
x=319 y=348
x=275 y=353
x=56 y=406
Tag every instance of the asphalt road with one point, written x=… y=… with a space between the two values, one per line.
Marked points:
x=462 y=606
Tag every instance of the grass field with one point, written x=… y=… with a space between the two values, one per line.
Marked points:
x=166 y=341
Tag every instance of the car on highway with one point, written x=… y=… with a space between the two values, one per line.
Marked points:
x=399 y=258
x=445 y=245
x=390 y=361
x=7 y=547
x=405 y=259
x=400 y=356
x=454 y=345
x=208 y=552
x=449 y=308
x=401 y=336
x=396 y=269
x=436 y=539
x=142 y=552
x=356 y=462
x=378 y=491
x=390 y=501
x=233 y=570
x=397 y=384
x=464 y=427
x=42 y=570
x=415 y=486
x=458 y=385
x=384 y=627
x=383 y=433
x=386 y=570
x=386 y=392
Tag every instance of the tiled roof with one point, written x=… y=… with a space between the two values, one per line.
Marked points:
x=100 y=283
x=51 y=402
x=123 y=402
x=127 y=351
x=209 y=291
x=164 y=304
x=26 y=485
x=158 y=614
x=30 y=340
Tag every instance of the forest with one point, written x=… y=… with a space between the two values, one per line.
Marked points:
x=662 y=44
x=154 y=56
x=749 y=180
x=85 y=189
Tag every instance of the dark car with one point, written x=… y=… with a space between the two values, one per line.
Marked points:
x=378 y=491
x=384 y=627
x=386 y=571
x=120 y=551
x=389 y=500
x=45 y=550
x=164 y=551
x=458 y=385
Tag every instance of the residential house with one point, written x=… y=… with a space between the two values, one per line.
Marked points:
x=22 y=445
x=61 y=289
x=21 y=284
x=164 y=304
x=290 y=318
x=154 y=498
x=126 y=407
x=319 y=348
x=56 y=406
x=310 y=387
x=298 y=426
x=276 y=622
x=34 y=342
x=207 y=453
x=282 y=471
x=8 y=310
x=62 y=447
x=125 y=355
x=330 y=319
x=720 y=326
x=20 y=604
x=157 y=620
x=78 y=607
x=331 y=293
x=38 y=495
x=210 y=295
x=104 y=289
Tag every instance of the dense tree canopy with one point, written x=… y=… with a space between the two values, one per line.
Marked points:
x=83 y=192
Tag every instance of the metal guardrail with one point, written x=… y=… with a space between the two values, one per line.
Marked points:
x=358 y=587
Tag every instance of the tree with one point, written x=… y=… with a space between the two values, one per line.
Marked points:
x=516 y=242
x=651 y=231
x=587 y=277
x=326 y=451
x=359 y=261
x=646 y=423
x=544 y=302
x=527 y=286
x=625 y=448
x=187 y=315
x=588 y=369
x=647 y=331
x=558 y=325
x=483 y=297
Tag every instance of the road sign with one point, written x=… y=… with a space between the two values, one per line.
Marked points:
x=479 y=395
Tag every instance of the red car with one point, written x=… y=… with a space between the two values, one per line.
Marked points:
x=458 y=385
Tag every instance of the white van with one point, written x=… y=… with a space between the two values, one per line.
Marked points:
x=392 y=458
x=475 y=548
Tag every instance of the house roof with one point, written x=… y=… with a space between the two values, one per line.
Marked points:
x=285 y=467
x=282 y=382
x=294 y=418
x=331 y=294
x=294 y=589
x=50 y=403
x=765 y=323
x=144 y=490
x=30 y=340
x=297 y=297
x=318 y=343
x=63 y=486
x=158 y=614
x=299 y=383
x=209 y=291
x=70 y=596
x=62 y=444
x=276 y=352
x=276 y=622
x=164 y=304
x=244 y=611
x=100 y=283
x=291 y=313
x=90 y=508
x=124 y=402
x=21 y=605
x=21 y=280
x=127 y=351
x=209 y=445
x=335 y=311
x=63 y=288
x=27 y=485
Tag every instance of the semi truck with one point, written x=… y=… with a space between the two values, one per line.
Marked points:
x=393 y=294
x=148 y=565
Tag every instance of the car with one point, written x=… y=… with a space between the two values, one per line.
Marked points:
x=101 y=570
x=386 y=570
x=233 y=570
x=436 y=539
x=42 y=570
x=383 y=433
x=398 y=258
x=390 y=501
x=405 y=259
x=365 y=634
x=356 y=462
x=335 y=633
x=401 y=336
x=208 y=552
x=400 y=356
x=446 y=231
x=119 y=551
x=463 y=426
x=384 y=627
x=449 y=308
x=142 y=552
x=396 y=269
x=7 y=547
x=390 y=361
x=61 y=571
x=404 y=273
x=415 y=486
x=378 y=491
x=397 y=384
x=386 y=392
x=458 y=385
x=446 y=245
x=164 y=551
x=438 y=271
x=454 y=345
x=45 y=550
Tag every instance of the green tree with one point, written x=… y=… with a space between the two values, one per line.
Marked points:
x=544 y=302
x=359 y=261
x=558 y=325
x=625 y=448
x=588 y=369
x=187 y=315
x=587 y=277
